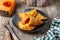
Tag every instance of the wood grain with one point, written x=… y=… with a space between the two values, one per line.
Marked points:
x=4 y=34
x=52 y=9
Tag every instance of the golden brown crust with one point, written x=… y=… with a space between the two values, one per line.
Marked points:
x=30 y=20
x=40 y=17
x=25 y=27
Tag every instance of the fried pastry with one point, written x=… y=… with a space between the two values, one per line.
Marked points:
x=32 y=13
x=29 y=23
x=22 y=15
x=35 y=14
x=40 y=17
x=29 y=20
x=25 y=27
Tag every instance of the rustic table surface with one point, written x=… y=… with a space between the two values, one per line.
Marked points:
x=52 y=8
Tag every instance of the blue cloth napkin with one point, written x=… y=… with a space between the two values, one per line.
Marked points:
x=53 y=33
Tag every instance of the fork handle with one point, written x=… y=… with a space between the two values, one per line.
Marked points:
x=14 y=36
x=12 y=33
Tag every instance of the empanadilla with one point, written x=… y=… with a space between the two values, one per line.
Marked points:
x=25 y=27
x=29 y=20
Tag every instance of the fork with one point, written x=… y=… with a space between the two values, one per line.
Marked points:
x=6 y=25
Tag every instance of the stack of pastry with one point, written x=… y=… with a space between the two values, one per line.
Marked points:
x=30 y=20
x=7 y=6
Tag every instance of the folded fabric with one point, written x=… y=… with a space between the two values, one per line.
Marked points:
x=53 y=33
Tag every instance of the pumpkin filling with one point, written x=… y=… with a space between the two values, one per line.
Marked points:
x=7 y=4
x=26 y=21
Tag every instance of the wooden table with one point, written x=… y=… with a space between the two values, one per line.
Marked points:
x=52 y=8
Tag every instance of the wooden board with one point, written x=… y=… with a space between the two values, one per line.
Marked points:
x=52 y=8
x=4 y=33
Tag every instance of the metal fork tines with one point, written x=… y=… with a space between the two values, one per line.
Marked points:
x=11 y=31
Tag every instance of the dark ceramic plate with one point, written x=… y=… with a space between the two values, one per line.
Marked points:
x=16 y=19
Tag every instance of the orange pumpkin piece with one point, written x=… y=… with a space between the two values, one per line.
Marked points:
x=7 y=5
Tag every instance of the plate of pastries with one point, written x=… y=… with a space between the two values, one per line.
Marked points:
x=30 y=20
